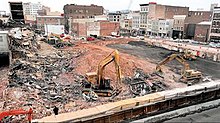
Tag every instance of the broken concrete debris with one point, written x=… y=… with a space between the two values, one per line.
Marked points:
x=140 y=84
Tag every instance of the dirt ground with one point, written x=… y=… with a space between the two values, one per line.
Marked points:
x=155 y=55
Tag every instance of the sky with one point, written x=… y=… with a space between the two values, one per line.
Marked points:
x=115 y=5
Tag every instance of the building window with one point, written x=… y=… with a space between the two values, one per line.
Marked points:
x=83 y=17
x=114 y=19
x=118 y=20
x=1 y=39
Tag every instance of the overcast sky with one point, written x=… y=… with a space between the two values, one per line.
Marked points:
x=113 y=5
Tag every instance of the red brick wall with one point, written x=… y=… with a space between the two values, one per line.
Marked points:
x=195 y=17
x=106 y=28
x=82 y=11
x=201 y=33
x=79 y=29
x=170 y=11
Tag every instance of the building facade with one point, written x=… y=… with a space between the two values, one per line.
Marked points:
x=82 y=11
x=192 y=19
x=178 y=26
x=73 y=11
x=136 y=20
x=32 y=8
x=114 y=16
x=202 y=31
x=215 y=27
x=49 y=20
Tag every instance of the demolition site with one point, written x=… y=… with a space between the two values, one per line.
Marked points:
x=63 y=78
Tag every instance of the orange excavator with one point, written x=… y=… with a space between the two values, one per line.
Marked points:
x=100 y=84
x=17 y=112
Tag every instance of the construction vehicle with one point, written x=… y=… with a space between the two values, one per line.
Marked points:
x=187 y=75
x=54 y=38
x=16 y=112
x=188 y=55
x=100 y=84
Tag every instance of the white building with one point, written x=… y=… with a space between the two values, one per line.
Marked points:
x=31 y=8
x=144 y=14
x=114 y=16
x=161 y=27
x=136 y=20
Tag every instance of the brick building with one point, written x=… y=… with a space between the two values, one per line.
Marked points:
x=87 y=27
x=49 y=20
x=73 y=11
x=192 y=19
x=152 y=12
x=202 y=31
x=106 y=28
x=215 y=27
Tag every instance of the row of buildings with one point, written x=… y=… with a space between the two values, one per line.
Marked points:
x=152 y=20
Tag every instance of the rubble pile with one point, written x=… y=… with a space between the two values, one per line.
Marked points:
x=141 y=83
x=35 y=77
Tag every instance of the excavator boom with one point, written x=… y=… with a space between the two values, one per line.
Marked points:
x=187 y=73
x=98 y=80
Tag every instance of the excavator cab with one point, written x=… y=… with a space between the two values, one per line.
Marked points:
x=102 y=85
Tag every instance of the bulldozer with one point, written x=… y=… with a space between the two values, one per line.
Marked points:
x=100 y=84
x=188 y=75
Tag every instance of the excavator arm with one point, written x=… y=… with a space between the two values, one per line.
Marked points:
x=178 y=57
x=99 y=83
x=114 y=56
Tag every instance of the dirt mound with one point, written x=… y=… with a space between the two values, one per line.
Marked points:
x=94 y=54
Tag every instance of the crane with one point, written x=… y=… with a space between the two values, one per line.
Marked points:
x=100 y=84
x=187 y=73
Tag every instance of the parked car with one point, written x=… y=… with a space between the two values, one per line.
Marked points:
x=90 y=38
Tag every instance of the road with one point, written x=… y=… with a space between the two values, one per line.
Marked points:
x=211 y=115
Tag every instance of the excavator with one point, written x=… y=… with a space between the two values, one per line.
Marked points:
x=100 y=84
x=187 y=75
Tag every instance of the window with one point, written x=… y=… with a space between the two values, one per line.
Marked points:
x=114 y=19
x=1 y=39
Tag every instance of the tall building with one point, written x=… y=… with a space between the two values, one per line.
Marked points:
x=32 y=8
x=153 y=12
x=73 y=11
x=136 y=20
x=82 y=11
x=17 y=11
x=215 y=27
